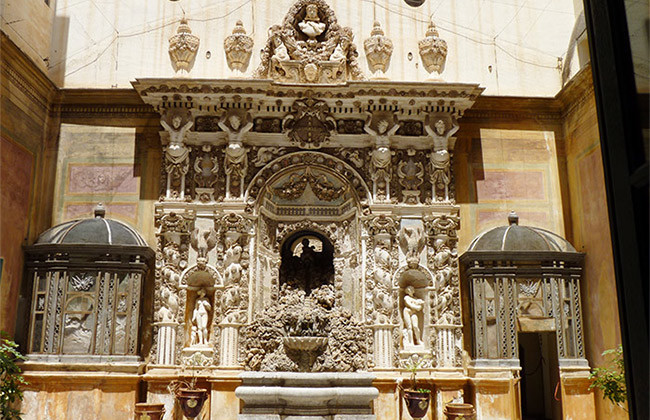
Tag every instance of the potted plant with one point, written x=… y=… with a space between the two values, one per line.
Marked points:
x=189 y=397
x=11 y=379
x=417 y=399
x=611 y=378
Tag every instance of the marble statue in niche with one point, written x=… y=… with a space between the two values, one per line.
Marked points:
x=412 y=313
x=236 y=124
x=305 y=267
x=440 y=129
x=200 y=317
x=176 y=155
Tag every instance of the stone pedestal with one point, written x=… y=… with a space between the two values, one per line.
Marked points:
x=166 y=343
x=306 y=396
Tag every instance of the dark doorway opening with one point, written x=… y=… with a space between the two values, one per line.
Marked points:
x=540 y=376
x=307 y=261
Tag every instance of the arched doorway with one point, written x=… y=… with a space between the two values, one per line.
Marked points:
x=307 y=261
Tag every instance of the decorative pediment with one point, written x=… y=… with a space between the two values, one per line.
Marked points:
x=310 y=47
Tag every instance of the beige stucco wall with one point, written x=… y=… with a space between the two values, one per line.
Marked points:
x=511 y=48
x=29 y=25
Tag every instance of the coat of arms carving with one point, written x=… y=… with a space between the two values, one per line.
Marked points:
x=310 y=124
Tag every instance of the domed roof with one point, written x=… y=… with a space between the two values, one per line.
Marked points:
x=519 y=238
x=95 y=231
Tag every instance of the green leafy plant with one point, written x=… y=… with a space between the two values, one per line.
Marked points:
x=413 y=364
x=11 y=379
x=611 y=378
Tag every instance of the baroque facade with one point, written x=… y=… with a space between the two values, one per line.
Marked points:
x=306 y=216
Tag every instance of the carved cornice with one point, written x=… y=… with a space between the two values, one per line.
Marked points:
x=22 y=72
x=577 y=91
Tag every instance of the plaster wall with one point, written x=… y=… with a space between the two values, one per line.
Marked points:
x=102 y=164
x=504 y=170
x=591 y=234
x=28 y=23
x=24 y=158
x=511 y=48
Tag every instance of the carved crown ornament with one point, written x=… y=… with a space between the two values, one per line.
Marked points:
x=310 y=47
x=182 y=48
x=238 y=48
x=379 y=49
x=433 y=50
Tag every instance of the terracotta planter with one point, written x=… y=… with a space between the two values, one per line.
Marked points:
x=149 y=411
x=191 y=400
x=459 y=411
x=417 y=403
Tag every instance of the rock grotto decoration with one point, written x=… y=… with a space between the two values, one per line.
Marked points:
x=310 y=47
x=305 y=333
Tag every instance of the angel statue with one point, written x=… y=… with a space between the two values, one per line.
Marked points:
x=203 y=241
x=411 y=241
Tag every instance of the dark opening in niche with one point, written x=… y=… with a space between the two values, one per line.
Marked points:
x=307 y=261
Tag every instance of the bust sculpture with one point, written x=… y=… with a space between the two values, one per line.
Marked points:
x=311 y=25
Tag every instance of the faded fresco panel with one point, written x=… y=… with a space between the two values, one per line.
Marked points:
x=510 y=185
x=97 y=164
x=16 y=171
x=506 y=170
x=96 y=178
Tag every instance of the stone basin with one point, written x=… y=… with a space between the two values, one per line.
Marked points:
x=309 y=396
x=304 y=343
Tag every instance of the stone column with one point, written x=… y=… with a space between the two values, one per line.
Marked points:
x=383 y=342
x=166 y=343
x=229 y=345
x=445 y=345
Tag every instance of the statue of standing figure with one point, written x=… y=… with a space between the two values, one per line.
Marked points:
x=380 y=158
x=176 y=155
x=200 y=318
x=440 y=162
x=236 y=159
x=413 y=307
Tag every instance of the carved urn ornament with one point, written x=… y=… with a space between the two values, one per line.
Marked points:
x=433 y=50
x=378 y=50
x=238 y=48
x=182 y=48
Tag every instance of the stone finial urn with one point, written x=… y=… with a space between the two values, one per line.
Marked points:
x=182 y=48
x=238 y=48
x=433 y=50
x=378 y=50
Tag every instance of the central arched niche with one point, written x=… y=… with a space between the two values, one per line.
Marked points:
x=307 y=261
